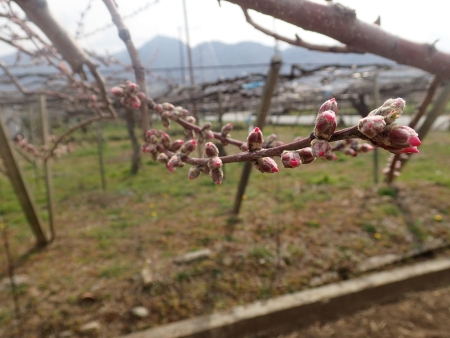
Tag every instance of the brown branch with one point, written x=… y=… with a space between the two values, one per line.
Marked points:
x=139 y=70
x=299 y=42
x=341 y=24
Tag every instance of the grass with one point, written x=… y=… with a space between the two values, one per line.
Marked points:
x=321 y=217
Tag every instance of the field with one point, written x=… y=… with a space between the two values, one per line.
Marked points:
x=297 y=229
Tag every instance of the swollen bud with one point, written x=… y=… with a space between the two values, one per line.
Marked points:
x=117 y=91
x=211 y=150
x=165 y=140
x=188 y=147
x=176 y=145
x=134 y=102
x=320 y=148
x=290 y=159
x=216 y=175
x=255 y=140
x=194 y=172
x=330 y=104
x=266 y=165
x=325 y=124
x=371 y=126
x=403 y=136
x=214 y=163
x=306 y=155
x=226 y=129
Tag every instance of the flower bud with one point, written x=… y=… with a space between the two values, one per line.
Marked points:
x=255 y=139
x=216 y=175
x=134 y=102
x=158 y=108
x=371 y=126
x=325 y=124
x=266 y=165
x=141 y=96
x=163 y=158
x=174 y=162
x=390 y=110
x=320 y=148
x=211 y=150
x=168 y=106
x=214 y=163
x=117 y=91
x=207 y=125
x=349 y=151
x=194 y=172
x=181 y=111
x=365 y=147
x=209 y=135
x=402 y=136
x=165 y=140
x=330 y=104
x=190 y=119
x=243 y=147
x=131 y=87
x=332 y=157
x=188 y=147
x=306 y=155
x=290 y=159
x=226 y=129
x=176 y=145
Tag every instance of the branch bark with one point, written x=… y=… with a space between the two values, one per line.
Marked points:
x=341 y=24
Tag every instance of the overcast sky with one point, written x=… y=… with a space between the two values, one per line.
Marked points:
x=421 y=21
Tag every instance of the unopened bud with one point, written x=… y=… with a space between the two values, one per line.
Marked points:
x=330 y=104
x=194 y=172
x=291 y=159
x=320 y=148
x=255 y=140
x=141 y=96
x=176 y=145
x=306 y=155
x=190 y=119
x=117 y=91
x=349 y=151
x=165 y=140
x=266 y=165
x=402 y=136
x=365 y=147
x=134 y=102
x=163 y=158
x=331 y=157
x=131 y=87
x=208 y=134
x=214 y=163
x=226 y=129
x=188 y=147
x=325 y=124
x=207 y=125
x=174 y=162
x=371 y=126
x=211 y=150
x=216 y=175
x=390 y=110
x=168 y=106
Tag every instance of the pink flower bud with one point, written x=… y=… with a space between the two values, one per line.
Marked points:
x=365 y=147
x=181 y=111
x=174 y=162
x=255 y=140
x=266 y=165
x=165 y=140
x=188 y=147
x=403 y=136
x=194 y=172
x=216 y=175
x=291 y=159
x=176 y=145
x=349 y=151
x=371 y=126
x=226 y=129
x=168 y=106
x=131 y=87
x=330 y=104
x=163 y=158
x=306 y=155
x=209 y=135
x=117 y=91
x=211 y=150
x=410 y=150
x=331 y=157
x=207 y=125
x=390 y=110
x=158 y=108
x=141 y=96
x=325 y=124
x=214 y=163
x=190 y=119
x=134 y=102
x=320 y=148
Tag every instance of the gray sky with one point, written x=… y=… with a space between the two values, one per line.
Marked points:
x=421 y=21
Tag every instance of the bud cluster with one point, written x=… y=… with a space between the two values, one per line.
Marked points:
x=213 y=166
x=378 y=126
x=324 y=128
x=129 y=94
x=41 y=151
x=168 y=111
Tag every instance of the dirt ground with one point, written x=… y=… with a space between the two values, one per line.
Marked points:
x=420 y=315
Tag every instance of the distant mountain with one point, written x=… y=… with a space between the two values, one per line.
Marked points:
x=165 y=55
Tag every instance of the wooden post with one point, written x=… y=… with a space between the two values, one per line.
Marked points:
x=20 y=186
x=262 y=112
x=47 y=167
x=100 y=155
